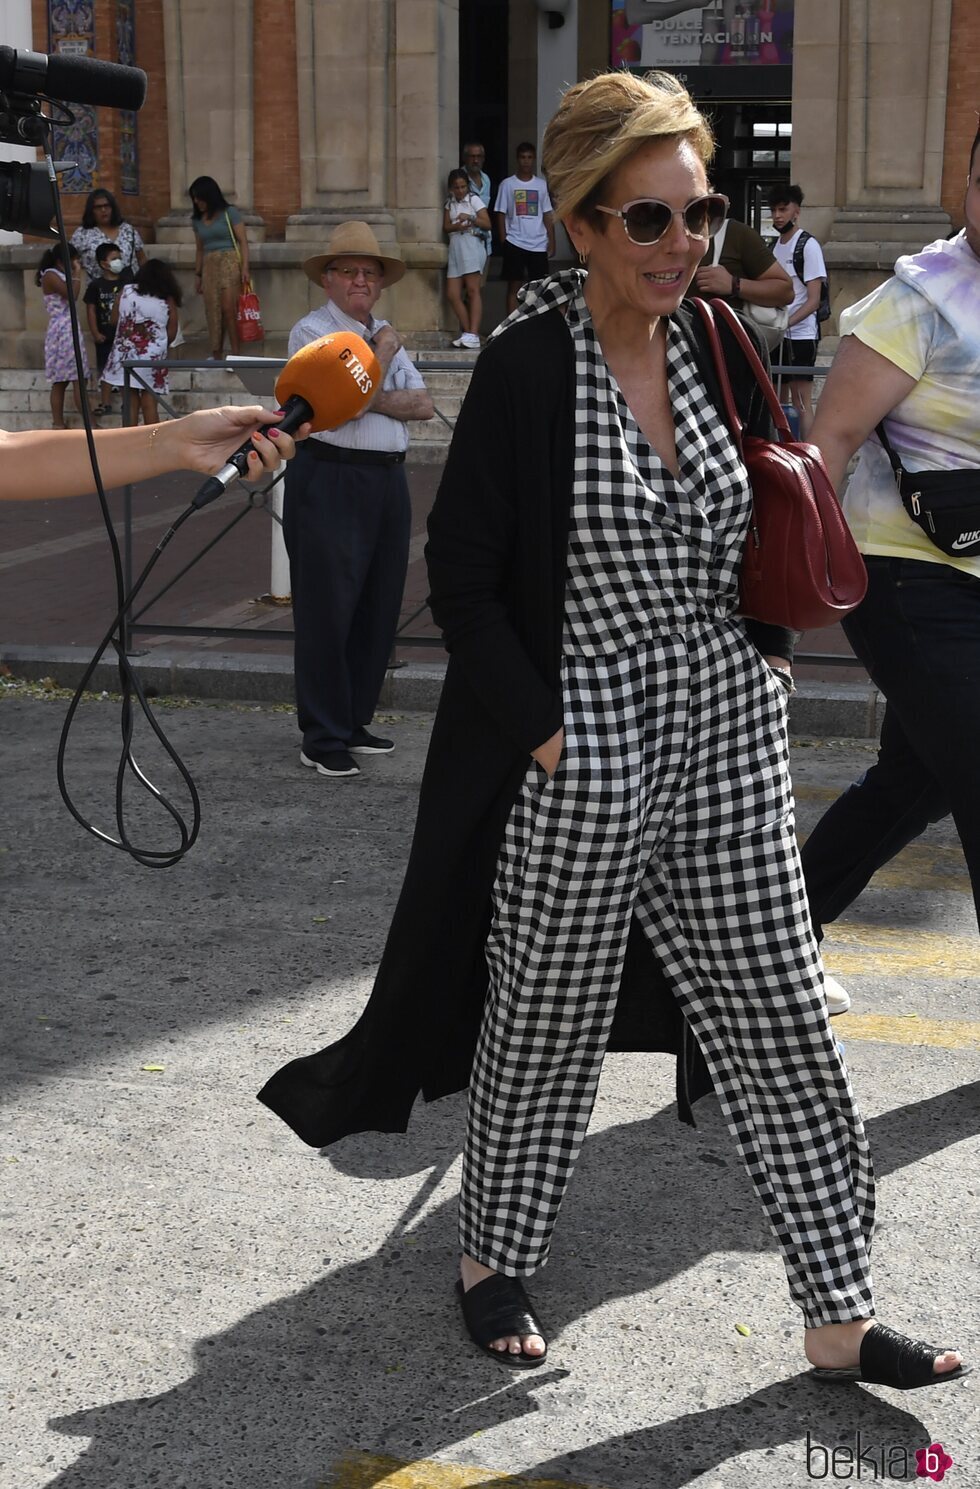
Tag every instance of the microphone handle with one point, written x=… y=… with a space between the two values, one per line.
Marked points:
x=296 y=411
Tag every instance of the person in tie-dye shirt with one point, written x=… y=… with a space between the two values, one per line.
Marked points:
x=910 y=355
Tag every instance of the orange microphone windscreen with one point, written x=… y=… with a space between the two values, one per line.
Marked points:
x=336 y=375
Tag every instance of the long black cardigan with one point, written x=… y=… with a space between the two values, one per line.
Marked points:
x=498 y=535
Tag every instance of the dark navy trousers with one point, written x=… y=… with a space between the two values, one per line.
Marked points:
x=347 y=530
x=918 y=634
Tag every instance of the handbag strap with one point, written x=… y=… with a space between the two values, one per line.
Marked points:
x=707 y=313
x=704 y=310
x=718 y=243
x=234 y=240
x=898 y=469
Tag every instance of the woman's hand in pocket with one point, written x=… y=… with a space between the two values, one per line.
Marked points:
x=549 y=754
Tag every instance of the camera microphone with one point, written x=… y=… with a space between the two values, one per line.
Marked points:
x=326 y=383
x=72 y=79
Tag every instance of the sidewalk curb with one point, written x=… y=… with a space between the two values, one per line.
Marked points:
x=841 y=710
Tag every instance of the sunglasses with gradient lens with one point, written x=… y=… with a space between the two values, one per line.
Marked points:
x=648 y=219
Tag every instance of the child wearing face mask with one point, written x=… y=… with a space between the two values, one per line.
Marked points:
x=100 y=298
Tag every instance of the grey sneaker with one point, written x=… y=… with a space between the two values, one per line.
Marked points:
x=330 y=763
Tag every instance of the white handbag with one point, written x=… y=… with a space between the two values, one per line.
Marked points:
x=771 y=320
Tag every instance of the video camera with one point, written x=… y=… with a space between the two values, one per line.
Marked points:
x=28 y=79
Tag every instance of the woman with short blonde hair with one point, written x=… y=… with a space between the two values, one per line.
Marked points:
x=601 y=122
x=605 y=855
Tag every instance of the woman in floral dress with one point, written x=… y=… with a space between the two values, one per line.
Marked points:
x=59 y=353
x=146 y=323
x=103 y=222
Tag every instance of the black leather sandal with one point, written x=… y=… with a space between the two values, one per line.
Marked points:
x=495 y=1308
x=890 y=1359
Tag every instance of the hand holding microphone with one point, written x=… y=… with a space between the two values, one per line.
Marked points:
x=325 y=384
x=208 y=438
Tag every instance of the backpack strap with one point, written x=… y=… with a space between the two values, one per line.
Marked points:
x=798 y=264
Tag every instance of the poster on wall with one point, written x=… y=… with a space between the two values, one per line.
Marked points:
x=71 y=33
x=744 y=47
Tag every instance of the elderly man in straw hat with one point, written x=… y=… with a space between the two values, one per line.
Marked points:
x=347 y=518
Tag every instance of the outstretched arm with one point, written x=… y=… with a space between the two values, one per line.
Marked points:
x=40 y=465
x=862 y=387
x=773 y=287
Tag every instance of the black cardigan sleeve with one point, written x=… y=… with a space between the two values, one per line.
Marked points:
x=471 y=553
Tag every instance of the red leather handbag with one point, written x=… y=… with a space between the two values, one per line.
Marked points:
x=801 y=567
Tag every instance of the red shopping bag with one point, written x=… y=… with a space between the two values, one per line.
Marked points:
x=248 y=316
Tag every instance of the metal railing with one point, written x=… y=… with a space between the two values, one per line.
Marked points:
x=257 y=499
x=263 y=500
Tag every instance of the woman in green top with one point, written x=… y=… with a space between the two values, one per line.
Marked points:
x=221 y=265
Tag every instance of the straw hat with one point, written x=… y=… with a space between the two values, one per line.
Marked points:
x=354 y=238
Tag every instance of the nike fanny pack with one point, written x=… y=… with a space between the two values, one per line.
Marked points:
x=944 y=503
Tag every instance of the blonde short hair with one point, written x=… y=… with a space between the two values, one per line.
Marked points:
x=603 y=121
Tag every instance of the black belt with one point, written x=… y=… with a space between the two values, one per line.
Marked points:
x=340 y=455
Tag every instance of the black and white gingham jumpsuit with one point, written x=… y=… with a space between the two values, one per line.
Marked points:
x=672 y=802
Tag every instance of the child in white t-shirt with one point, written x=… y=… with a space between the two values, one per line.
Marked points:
x=463 y=217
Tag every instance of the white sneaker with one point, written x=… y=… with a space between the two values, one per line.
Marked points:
x=471 y=341
x=331 y=763
x=460 y=340
x=838 y=998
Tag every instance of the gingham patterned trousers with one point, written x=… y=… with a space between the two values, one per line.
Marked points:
x=671 y=802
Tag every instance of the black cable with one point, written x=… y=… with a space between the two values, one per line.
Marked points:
x=129 y=681
x=129 y=684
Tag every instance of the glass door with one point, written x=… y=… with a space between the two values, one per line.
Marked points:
x=754 y=144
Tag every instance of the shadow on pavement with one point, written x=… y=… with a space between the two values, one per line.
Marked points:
x=373 y=1356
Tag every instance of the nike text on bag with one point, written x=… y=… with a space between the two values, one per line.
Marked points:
x=944 y=503
x=801 y=567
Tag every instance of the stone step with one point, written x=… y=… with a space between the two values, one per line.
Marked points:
x=25 y=395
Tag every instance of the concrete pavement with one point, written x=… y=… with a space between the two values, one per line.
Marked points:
x=192 y=1299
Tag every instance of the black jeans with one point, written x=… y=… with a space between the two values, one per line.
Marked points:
x=918 y=634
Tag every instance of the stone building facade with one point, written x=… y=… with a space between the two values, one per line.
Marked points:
x=311 y=111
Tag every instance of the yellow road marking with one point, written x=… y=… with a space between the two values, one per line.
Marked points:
x=883 y=1028
x=853 y=947
x=372 y=1471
